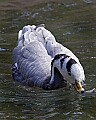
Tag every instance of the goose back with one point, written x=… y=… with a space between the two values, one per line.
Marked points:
x=33 y=64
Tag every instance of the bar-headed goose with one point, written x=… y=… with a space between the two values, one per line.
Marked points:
x=39 y=60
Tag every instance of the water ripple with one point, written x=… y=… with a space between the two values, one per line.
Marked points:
x=88 y=1
x=2 y=49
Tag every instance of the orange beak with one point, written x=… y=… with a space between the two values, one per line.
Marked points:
x=78 y=87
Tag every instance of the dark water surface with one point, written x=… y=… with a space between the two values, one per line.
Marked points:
x=73 y=23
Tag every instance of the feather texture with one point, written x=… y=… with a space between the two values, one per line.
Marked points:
x=39 y=60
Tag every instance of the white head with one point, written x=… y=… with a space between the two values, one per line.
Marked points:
x=71 y=71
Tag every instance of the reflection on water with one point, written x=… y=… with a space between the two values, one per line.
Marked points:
x=74 y=25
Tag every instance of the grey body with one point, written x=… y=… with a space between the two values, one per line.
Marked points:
x=38 y=60
x=32 y=66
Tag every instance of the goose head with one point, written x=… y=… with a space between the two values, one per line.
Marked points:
x=70 y=70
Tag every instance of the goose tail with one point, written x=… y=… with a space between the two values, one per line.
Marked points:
x=24 y=35
x=30 y=33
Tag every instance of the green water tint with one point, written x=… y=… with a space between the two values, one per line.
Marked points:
x=73 y=23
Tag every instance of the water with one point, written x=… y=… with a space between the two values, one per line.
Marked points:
x=74 y=25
